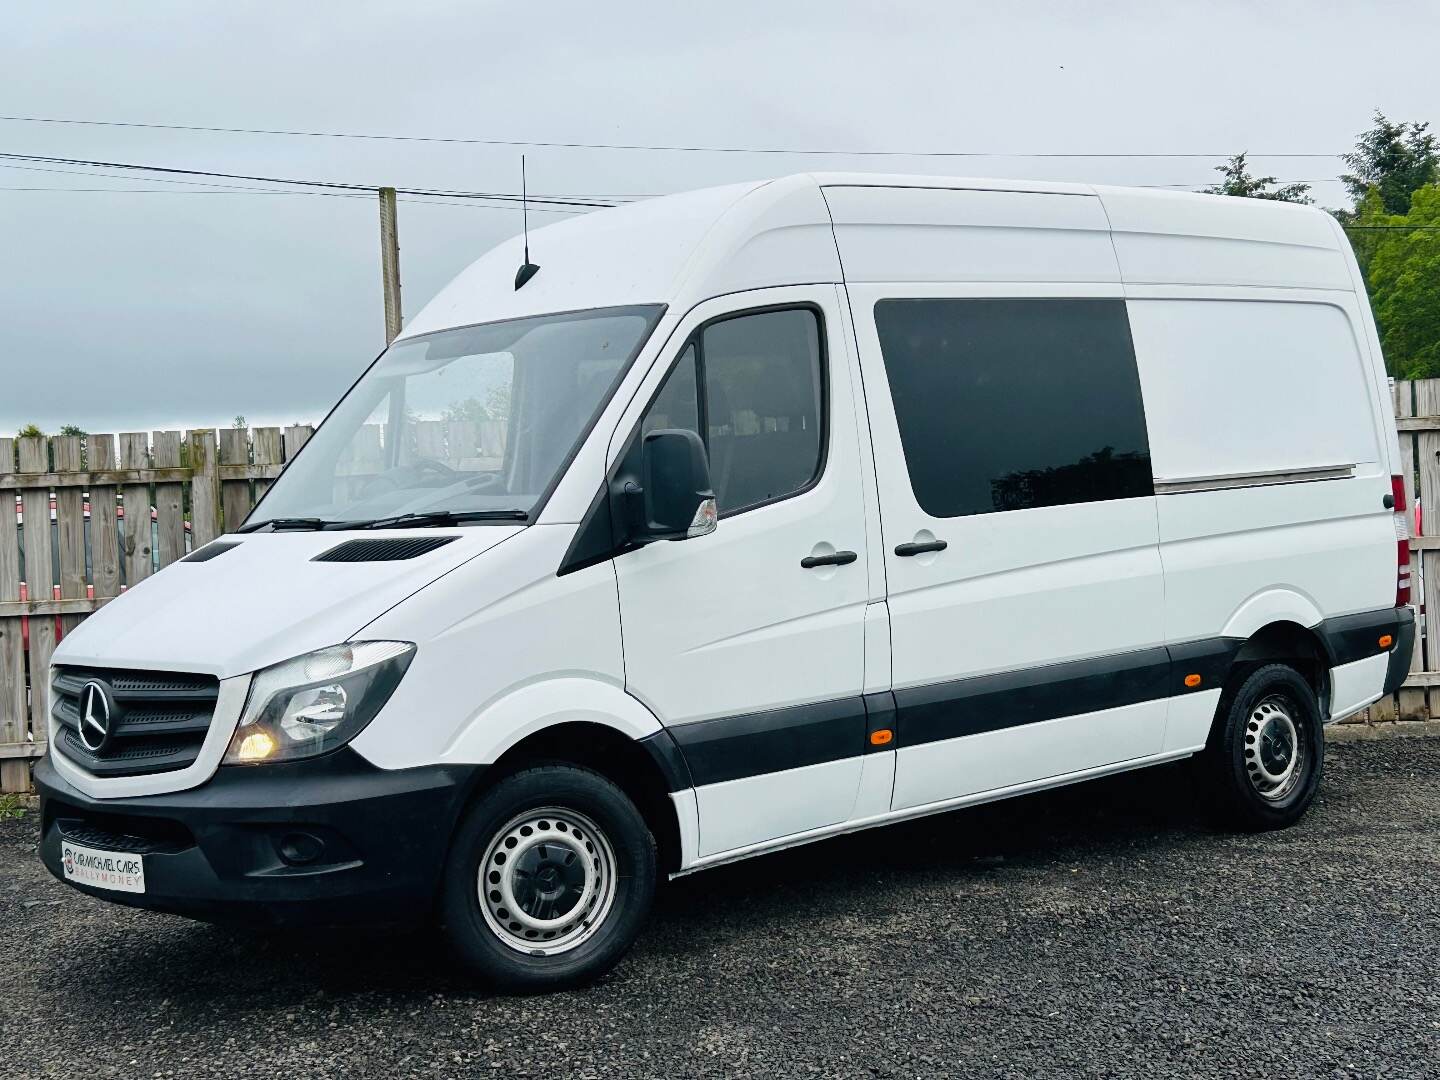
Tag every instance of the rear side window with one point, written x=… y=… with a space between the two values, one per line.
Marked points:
x=751 y=385
x=1013 y=403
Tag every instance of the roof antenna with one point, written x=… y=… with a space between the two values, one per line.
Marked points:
x=527 y=269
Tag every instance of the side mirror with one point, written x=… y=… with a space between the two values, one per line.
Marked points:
x=675 y=500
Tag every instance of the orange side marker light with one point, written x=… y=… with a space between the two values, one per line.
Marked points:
x=881 y=737
x=1386 y=641
x=1192 y=681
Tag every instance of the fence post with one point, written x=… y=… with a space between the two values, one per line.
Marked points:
x=14 y=772
x=204 y=488
x=39 y=576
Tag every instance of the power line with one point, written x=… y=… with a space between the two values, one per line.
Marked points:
x=657 y=147
x=542 y=200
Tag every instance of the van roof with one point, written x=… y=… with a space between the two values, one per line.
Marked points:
x=681 y=249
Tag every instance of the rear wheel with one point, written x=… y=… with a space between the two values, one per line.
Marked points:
x=1265 y=763
x=549 y=880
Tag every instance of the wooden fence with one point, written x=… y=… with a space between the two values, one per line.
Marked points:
x=111 y=511
x=188 y=490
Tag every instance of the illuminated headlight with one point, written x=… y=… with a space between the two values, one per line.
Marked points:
x=316 y=702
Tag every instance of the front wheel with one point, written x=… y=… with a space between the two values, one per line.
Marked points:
x=549 y=879
x=1265 y=761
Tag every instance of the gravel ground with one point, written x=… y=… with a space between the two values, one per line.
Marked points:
x=1101 y=930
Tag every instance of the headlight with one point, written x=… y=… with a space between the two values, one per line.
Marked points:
x=316 y=702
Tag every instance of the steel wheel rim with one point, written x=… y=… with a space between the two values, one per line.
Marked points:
x=1274 y=748
x=547 y=881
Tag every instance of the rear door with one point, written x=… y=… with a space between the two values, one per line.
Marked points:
x=1019 y=525
x=749 y=643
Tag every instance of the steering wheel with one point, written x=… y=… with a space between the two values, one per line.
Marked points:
x=420 y=467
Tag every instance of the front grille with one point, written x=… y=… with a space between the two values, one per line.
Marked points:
x=140 y=838
x=158 y=722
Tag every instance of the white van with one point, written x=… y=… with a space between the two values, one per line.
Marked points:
x=753 y=516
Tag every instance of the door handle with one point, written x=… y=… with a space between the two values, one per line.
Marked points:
x=919 y=548
x=837 y=558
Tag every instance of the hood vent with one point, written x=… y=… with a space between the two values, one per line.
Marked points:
x=212 y=549
x=392 y=549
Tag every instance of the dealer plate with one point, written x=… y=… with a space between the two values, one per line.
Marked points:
x=118 y=871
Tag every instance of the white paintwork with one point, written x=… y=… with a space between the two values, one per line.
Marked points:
x=877 y=785
x=737 y=813
x=1355 y=685
x=1188 y=719
x=1249 y=321
x=934 y=772
x=1164 y=237
x=1297 y=410
x=909 y=813
x=893 y=234
x=506 y=647
x=264 y=601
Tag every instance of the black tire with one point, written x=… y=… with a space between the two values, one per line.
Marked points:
x=616 y=836
x=1246 y=750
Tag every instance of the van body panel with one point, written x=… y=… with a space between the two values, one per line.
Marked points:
x=1019 y=755
x=506 y=648
x=935 y=234
x=1083 y=579
x=263 y=601
x=1306 y=408
x=1357 y=684
x=1173 y=237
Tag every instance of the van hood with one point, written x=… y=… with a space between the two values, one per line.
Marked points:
x=262 y=601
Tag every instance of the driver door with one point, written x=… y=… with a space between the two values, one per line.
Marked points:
x=748 y=643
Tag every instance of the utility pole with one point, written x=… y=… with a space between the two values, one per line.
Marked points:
x=390 y=263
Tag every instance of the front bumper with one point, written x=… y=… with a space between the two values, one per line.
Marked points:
x=329 y=841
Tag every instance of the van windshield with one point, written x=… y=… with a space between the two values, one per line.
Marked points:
x=467 y=424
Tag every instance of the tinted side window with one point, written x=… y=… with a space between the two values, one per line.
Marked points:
x=677 y=405
x=760 y=409
x=762 y=405
x=1005 y=404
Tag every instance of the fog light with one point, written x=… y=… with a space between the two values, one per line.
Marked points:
x=300 y=848
x=257 y=746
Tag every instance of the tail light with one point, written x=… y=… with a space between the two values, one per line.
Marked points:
x=1402 y=542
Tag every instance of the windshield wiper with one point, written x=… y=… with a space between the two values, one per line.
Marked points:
x=428 y=518
x=280 y=524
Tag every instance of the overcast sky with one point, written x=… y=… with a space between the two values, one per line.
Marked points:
x=124 y=310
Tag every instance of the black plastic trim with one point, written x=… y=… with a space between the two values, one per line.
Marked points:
x=384 y=549
x=1210 y=658
x=1402 y=651
x=1009 y=699
x=1348 y=638
x=594 y=540
x=214 y=851
x=880 y=715
x=669 y=760
x=212 y=549
x=735 y=747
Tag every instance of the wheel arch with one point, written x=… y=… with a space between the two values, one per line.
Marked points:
x=1285 y=642
x=585 y=722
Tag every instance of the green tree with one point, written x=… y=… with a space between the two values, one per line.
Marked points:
x=1404 y=281
x=1239 y=182
x=1394 y=159
x=29 y=431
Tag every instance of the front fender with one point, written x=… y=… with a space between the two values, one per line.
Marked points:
x=539 y=705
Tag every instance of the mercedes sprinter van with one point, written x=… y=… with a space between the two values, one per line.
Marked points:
x=742 y=518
